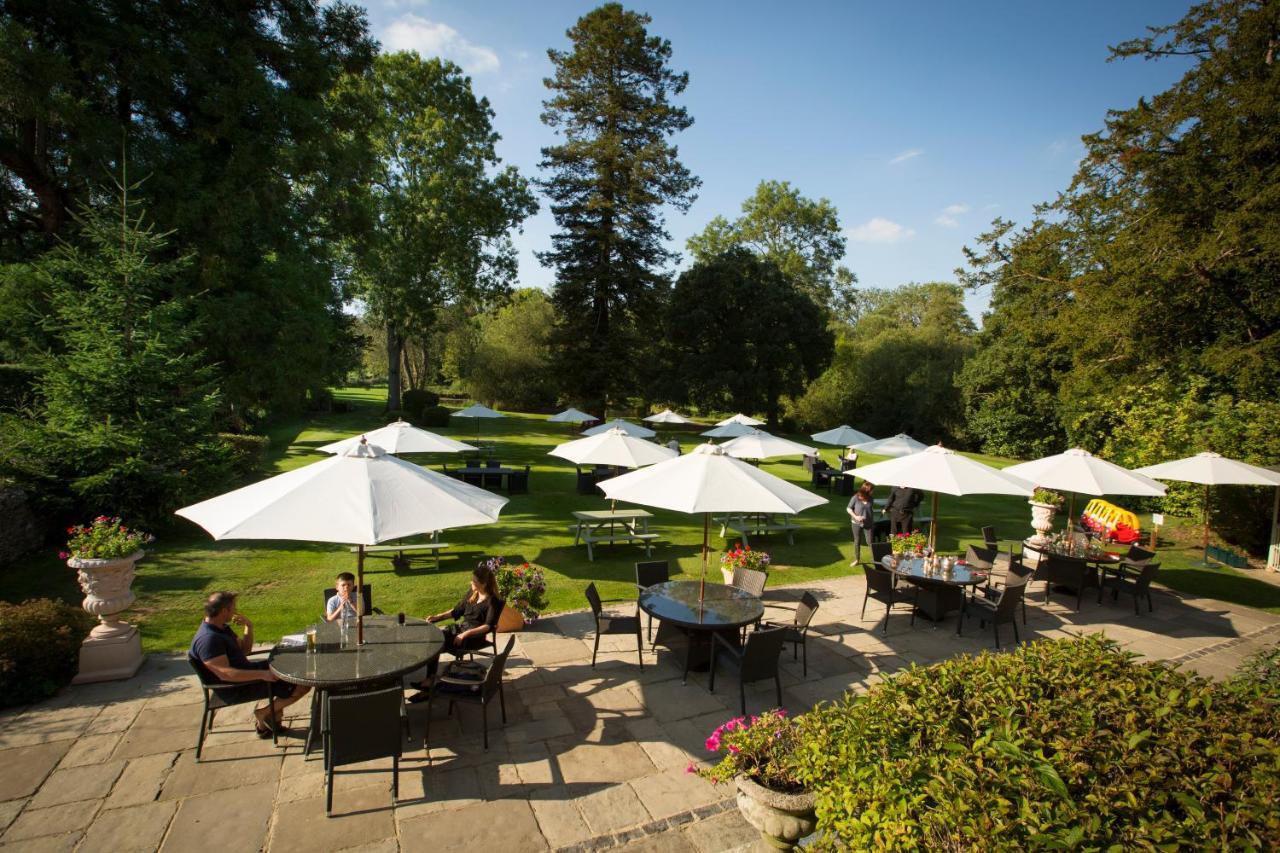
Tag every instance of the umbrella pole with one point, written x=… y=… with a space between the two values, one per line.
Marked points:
x=359 y=595
x=702 y=589
x=1071 y=513
x=933 y=523
x=1206 y=522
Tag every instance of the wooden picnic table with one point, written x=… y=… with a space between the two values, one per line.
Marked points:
x=758 y=524
x=434 y=547
x=606 y=525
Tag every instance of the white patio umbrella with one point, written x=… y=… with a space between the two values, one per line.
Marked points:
x=478 y=413
x=571 y=416
x=666 y=416
x=733 y=430
x=895 y=445
x=940 y=469
x=761 y=445
x=745 y=420
x=613 y=447
x=360 y=497
x=400 y=437
x=842 y=436
x=1080 y=472
x=708 y=480
x=1212 y=469
x=633 y=430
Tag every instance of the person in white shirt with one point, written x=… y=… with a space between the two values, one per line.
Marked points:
x=343 y=602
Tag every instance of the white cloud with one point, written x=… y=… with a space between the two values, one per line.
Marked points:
x=948 y=217
x=904 y=156
x=432 y=38
x=880 y=230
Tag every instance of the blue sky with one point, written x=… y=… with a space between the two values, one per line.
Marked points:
x=920 y=122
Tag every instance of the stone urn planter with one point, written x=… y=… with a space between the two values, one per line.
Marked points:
x=1042 y=520
x=782 y=819
x=113 y=649
x=511 y=619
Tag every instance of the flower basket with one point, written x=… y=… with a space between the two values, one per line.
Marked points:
x=907 y=543
x=524 y=589
x=742 y=557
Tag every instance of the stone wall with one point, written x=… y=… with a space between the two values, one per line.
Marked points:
x=20 y=533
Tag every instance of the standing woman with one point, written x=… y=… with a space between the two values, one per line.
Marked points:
x=862 y=518
x=476 y=614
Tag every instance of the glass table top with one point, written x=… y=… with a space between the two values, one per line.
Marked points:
x=389 y=650
x=722 y=607
x=913 y=568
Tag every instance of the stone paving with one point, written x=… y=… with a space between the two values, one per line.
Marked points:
x=588 y=760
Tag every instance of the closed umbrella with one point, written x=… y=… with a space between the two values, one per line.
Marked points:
x=895 y=445
x=400 y=437
x=613 y=447
x=1212 y=469
x=478 y=413
x=360 y=497
x=940 y=469
x=732 y=430
x=633 y=430
x=761 y=445
x=571 y=416
x=1080 y=472
x=842 y=436
x=666 y=416
x=708 y=480
x=745 y=420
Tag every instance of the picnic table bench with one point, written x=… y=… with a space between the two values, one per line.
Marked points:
x=757 y=524
x=623 y=525
x=398 y=551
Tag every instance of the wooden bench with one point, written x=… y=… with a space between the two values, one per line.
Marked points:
x=400 y=560
x=624 y=536
x=745 y=529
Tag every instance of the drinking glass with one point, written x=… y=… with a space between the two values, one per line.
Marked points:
x=311 y=640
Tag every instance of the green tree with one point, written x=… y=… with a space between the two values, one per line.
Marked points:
x=801 y=236
x=441 y=209
x=740 y=336
x=248 y=169
x=125 y=418
x=511 y=364
x=608 y=181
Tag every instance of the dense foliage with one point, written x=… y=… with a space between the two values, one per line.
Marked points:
x=39 y=648
x=1061 y=744
x=608 y=180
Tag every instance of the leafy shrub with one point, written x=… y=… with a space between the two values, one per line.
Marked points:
x=415 y=400
x=17 y=385
x=248 y=453
x=1065 y=743
x=433 y=416
x=39 y=648
x=1262 y=669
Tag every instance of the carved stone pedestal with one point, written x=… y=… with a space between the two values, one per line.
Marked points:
x=113 y=649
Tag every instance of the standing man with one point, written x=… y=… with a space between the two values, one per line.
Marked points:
x=224 y=658
x=901 y=509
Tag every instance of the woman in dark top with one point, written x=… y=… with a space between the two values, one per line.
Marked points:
x=476 y=614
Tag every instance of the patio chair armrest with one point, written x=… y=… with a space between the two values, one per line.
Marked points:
x=617 y=600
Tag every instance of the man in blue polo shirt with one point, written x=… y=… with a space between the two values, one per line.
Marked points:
x=224 y=657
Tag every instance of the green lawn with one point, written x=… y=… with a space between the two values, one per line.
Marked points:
x=282 y=582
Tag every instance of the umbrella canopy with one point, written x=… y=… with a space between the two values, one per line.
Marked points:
x=745 y=420
x=896 y=445
x=360 y=497
x=842 y=436
x=1079 y=471
x=729 y=431
x=666 y=416
x=613 y=447
x=939 y=469
x=633 y=430
x=1212 y=469
x=475 y=410
x=572 y=416
x=400 y=437
x=761 y=445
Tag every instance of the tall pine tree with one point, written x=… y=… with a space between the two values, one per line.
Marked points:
x=609 y=179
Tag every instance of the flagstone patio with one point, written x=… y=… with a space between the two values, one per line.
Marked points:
x=590 y=759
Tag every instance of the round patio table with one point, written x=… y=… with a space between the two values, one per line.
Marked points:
x=390 y=650
x=723 y=610
x=939 y=592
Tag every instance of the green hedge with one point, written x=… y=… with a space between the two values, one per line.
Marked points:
x=433 y=416
x=248 y=454
x=1061 y=744
x=17 y=386
x=415 y=400
x=39 y=648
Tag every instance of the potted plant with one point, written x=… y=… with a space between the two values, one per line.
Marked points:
x=524 y=589
x=758 y=754
x=1045 y=503
x=103 y=553
x=742 y=557
x=907 y=543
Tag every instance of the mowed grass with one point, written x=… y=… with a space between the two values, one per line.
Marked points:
x=281 y=583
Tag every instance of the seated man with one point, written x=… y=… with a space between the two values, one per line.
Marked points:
x=343 y=602
x=224 y=657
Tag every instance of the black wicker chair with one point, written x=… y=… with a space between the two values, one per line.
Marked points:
x=360 y=727
x=1002 y=607
x=797 y=632
x=989 y=538
x=1138 y=587
x=756 y=659
x=750 y=581
x=881 y=587
x=609 y=624
x=518 y=482
x=219 y=695
x=480 y=693
x=649 y=573
x=1073 y=573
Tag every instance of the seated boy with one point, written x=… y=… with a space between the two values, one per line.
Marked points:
x=344 y=600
